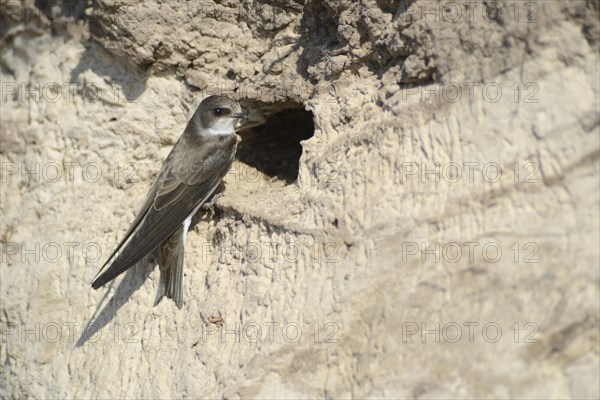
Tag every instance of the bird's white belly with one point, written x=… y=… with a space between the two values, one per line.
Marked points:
x=188 y=220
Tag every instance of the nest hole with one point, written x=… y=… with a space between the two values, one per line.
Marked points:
x=273 y=147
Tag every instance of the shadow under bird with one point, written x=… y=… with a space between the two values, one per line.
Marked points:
x=189 y=176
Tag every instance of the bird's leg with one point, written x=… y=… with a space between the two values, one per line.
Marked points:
x=208 y=206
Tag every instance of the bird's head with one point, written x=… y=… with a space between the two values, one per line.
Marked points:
x=218 y=115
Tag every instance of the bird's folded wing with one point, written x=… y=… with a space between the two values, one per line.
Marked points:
x=179 y=191
x=150 y=196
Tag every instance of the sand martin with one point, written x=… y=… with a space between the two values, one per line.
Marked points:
x=189 y=176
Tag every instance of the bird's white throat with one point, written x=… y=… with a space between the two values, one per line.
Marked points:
x=223 y=126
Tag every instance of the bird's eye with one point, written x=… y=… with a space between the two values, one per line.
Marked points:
x=220 y=111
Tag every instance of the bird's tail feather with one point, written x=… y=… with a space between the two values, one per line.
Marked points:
x=171 y=268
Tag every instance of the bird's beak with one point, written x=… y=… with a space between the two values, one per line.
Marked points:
x=242 y=119
x=243 y=114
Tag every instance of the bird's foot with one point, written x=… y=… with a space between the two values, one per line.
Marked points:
x=209 y=206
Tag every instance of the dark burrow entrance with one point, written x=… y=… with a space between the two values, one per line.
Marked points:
x=274 y=147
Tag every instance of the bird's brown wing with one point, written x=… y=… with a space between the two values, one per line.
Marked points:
x=150 y=196
x=193 y=173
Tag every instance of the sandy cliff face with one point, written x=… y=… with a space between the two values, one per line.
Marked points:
x=417 y=215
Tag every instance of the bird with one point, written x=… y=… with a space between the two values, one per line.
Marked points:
x=188 y=177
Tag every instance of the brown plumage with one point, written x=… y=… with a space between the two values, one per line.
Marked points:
x=189 y=176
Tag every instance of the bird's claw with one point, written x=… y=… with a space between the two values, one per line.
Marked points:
x=209 y=205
